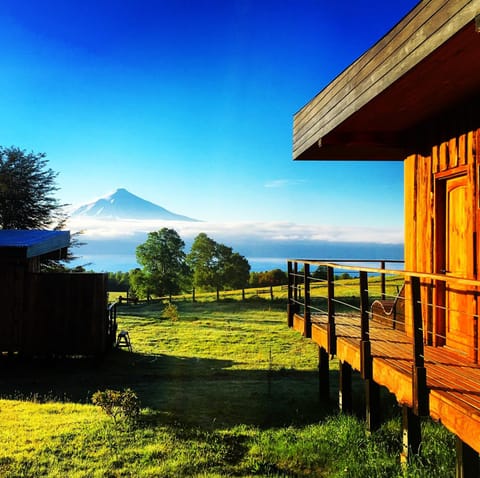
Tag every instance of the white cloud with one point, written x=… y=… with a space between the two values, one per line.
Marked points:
x=245 y=231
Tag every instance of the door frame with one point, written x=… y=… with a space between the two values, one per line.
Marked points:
x=439 y=332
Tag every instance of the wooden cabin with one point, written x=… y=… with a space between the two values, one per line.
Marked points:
x=49 y=314
x=415 y=97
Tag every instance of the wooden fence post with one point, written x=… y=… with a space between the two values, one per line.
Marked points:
x=419 y=372
x=332 y=337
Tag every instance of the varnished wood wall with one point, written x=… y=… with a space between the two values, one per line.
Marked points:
x=448 y=146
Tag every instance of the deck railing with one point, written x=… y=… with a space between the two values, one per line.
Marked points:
x=112 y=324
x=312 y=296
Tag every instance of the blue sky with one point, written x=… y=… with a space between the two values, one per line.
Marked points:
x=189 y=104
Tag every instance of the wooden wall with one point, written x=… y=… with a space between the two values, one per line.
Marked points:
x=12 y=305
x=449 y=146
x=53 y=314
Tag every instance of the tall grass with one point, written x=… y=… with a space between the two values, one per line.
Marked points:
x=226 y=390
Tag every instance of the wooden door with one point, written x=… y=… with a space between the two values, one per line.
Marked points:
x=459 y=324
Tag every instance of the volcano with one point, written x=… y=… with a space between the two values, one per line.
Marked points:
x=122 y=204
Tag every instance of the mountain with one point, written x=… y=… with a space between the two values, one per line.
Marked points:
x=122 y=204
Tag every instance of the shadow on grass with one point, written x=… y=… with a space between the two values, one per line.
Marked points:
x=189 y=307
x=193 y=391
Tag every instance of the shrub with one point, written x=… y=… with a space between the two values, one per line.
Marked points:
x=118 y=404
x=171 y=312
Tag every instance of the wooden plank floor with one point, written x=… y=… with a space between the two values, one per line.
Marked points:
x=453 y=381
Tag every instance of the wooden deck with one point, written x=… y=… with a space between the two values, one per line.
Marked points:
x=453 y=381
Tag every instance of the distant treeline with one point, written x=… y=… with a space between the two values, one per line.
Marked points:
x=120 y=281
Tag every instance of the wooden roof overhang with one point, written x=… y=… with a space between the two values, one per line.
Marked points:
x=19 y=244
x=428 y=63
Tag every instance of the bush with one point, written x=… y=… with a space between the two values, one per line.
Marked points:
x=118 y=404
x=171 y=312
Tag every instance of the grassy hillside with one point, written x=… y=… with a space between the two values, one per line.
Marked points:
x=226 y=390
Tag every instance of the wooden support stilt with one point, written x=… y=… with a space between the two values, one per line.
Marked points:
x=411 y=434
x=323 y=375
x=373 y=408
x=467 y=465
x=345 y=388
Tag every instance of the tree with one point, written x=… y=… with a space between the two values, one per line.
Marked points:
x=268 y=278
x=163 y=259
x=321 y=273
x=215 y=266
x=118 y=281
x=27 y=188
x=140 y=284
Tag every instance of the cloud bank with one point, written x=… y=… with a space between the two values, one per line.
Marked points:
x=94 y=229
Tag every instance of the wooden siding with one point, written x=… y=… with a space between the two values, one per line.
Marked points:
x=50 y=314
x=393 y=64
x=453 y=153
x=12 y=294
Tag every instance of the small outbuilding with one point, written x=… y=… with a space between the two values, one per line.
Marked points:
x=48 y=314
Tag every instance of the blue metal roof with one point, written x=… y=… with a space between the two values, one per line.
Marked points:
x=32 y=243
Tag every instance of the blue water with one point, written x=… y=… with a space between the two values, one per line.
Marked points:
x=116 y=262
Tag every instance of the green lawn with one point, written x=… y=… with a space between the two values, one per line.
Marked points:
x=226 y=390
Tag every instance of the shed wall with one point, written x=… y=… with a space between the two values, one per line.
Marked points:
x=52 y=314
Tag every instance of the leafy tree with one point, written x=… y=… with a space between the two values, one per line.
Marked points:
x=163 y=259
x=268 y=278
x=118 y=281
x=203 y=261
x=27 y=188
x=140 y=284
x=320 y=273
x=235 y=269
x=216 y=266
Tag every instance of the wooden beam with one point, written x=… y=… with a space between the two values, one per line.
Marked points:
x=419 y=372
x=373 y=408
x=365 y=345
x=467 y=464
x=307 y=312
x=323 y=375
x=332 y=336
x=411 y=434
x=345 y=402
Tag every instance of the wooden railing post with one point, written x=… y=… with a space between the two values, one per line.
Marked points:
x=332 y=337
x=382 y=278
x=419 y=372
x=307 y=331
x=290 y=294
x=365 y=346
x=112 y=323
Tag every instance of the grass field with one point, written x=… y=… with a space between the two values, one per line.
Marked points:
x=226 y=390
